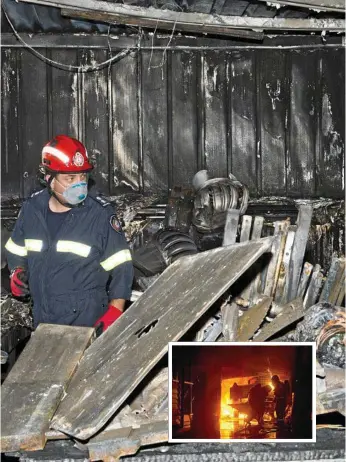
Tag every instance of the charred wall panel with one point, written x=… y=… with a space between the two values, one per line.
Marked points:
x=11 y=155
x=33 y=114
x=95 y=94
x=125 y=167
x=243 y=118
x=273 y=117
x=155 y=121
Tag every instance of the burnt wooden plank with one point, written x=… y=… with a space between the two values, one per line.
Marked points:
x=26 y=412
x=118 y=360
x=272 y=273
x=330 y=280
x=184 y=107
x=255 y=286
x=281 y=292
x=33 y=106
x=125 y=129
x=245 y=228
x=314 y=288
x=65 y=95
x=338 y=282
x=302 y=124
x=330 y=164
x=257 y=228
x=33 y=389
x=11 y=155
x=252 y=319
x=96 y=120
x=273 y=116
x=290 y=313
x=155 y=128
x=215 y=109
x=304 y=279
x=298 y=249
x=231 y=227
x=230 y=321
x=110 y=446
x=242 y=99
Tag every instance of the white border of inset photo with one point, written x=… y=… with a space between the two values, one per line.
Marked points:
x=223 y=344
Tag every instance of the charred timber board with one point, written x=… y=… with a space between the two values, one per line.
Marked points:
x=231 y=227
x=281 y=293
x=32 y=391
x=252 y=319
x=200 y=20
x=245 y=228
x=119 y=360
x=314 y=287
x=304 y=279
x=298 y=249
x=291 y=313
x=337 y=286
x=214 y=29
x=110 y=446
x=230 y=319
x=330 y=280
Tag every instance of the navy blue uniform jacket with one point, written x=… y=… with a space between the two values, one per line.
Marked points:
x=72 y=277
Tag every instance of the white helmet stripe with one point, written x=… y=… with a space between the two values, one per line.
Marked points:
x=56 y=153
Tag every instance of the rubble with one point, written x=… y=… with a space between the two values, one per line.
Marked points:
x=282 y=296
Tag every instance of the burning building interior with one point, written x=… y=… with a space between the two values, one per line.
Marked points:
x=242 y=392
x=216 y=132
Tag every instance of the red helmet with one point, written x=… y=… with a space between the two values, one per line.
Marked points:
x=64 y=154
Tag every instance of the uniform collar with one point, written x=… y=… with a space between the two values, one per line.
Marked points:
x=40 y=201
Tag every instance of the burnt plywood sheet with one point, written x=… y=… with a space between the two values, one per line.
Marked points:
x=33 y=389
x=117 y=362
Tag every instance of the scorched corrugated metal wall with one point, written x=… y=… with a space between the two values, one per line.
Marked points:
x=274 y=117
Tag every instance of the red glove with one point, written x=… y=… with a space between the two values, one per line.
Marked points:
x=19 y=283
x=110 y=316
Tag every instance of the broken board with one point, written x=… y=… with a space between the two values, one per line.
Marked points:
x=252 y=319
x=119 y=360
x=33 y=389
x=290 y=313
x=110 y=446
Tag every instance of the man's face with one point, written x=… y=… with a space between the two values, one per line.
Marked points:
x=64 y=180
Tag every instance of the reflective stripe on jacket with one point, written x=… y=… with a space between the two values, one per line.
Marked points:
x=72 y=277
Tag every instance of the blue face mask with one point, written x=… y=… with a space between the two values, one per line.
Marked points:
x=76 y=193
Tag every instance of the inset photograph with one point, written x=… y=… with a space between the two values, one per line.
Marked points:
x=242 y=391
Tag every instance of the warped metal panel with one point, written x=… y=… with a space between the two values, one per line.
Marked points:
x=117 y=362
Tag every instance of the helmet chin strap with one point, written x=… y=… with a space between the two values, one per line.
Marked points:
x=55 y=195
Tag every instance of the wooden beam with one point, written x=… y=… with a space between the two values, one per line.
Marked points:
x=203 y=23
x=164 y=24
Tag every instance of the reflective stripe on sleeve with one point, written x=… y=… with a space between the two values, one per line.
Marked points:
x=82 y=250
x=33 y=245
x=16 y=249
x=116 y=259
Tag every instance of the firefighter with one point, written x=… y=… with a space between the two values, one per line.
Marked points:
x=280 y=398
x=67 y=250
x=257 y=398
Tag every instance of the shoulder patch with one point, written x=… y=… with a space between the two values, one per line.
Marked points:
x=115 y=224
x=37 y=192
x=102 y=201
